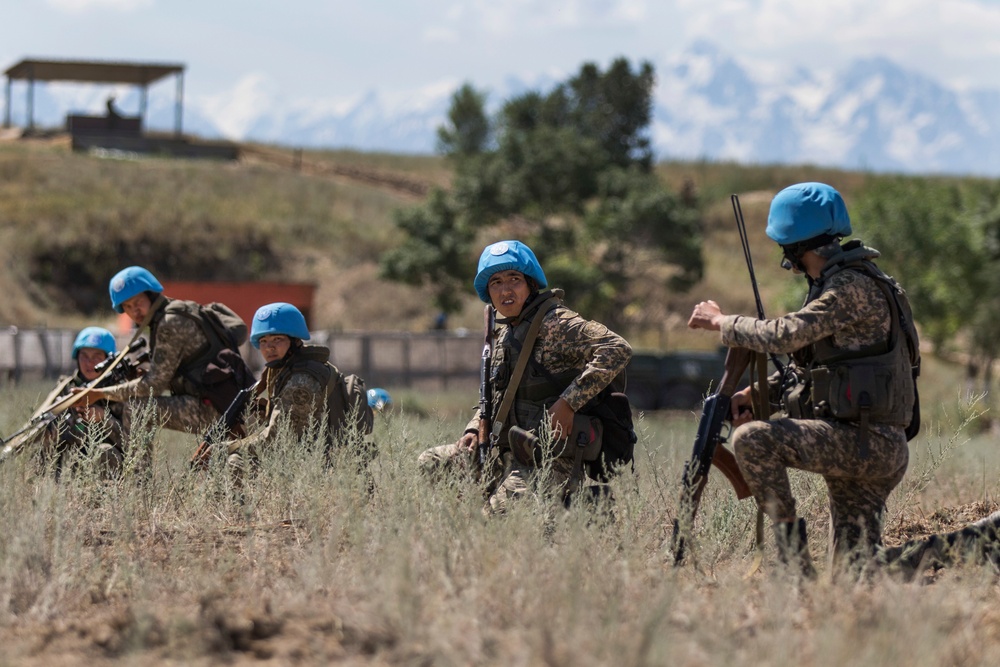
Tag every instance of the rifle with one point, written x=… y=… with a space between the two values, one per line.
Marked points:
x=485 y=388
x=709 y=442
x=230 y=424
x=127 y=369
x=709 y=449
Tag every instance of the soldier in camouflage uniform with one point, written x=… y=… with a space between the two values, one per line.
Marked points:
x=300 y=390
x=571 y=361
x=82 y=426
x=851 y=328
x=177 y=347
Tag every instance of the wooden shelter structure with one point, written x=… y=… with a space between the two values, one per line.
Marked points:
x=142 y=74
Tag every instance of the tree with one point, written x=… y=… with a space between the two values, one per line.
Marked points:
x=467 y=132
x=931 y=244
x=570 y=173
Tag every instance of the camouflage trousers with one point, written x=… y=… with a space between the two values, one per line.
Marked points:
x=548 y=483
x=977 y=542
x=452 y=459
x=177 y=413
x=858 y=484
x=505 y=480
x=69 y=447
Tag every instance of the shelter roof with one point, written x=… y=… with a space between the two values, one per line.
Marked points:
x=94 y=71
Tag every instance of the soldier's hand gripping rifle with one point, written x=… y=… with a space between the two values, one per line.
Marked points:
x=230 y=425
x=486 y=388
x=708 y=444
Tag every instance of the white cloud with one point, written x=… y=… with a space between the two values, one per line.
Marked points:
x=512 y=16
x=440 y=35
x=80 y=6
x=934 y=37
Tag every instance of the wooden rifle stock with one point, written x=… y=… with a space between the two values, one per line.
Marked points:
x=709 y=450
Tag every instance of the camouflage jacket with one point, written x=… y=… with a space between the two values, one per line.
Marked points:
x=76 y=428
x=294 y=399
x=851 y=314
x=851 y=311
x=568 y=342
x=175 y=339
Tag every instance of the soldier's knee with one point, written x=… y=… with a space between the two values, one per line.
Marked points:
x=236 y=463
x=110 y=459
x=427 y=461
x=749 y=440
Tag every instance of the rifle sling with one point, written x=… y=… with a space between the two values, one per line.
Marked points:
x=522 y=363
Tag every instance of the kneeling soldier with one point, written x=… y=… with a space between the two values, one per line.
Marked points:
x=83 y=426
x=300 y=389
x=569 y=361
x=194 y=355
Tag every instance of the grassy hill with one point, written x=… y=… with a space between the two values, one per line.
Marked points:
x=71 y=220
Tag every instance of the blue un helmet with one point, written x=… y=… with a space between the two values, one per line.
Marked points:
x=806 y=211
x=506 y=256
x=278 y=319
x=378 y=398
x=97 y=338
x=129 y=282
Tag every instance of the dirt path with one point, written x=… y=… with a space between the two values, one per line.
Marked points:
x=404 y=185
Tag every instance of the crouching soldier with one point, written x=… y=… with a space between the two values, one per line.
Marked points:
x=194 y=352
x=848 y=396
x=545 y=362
x=82 y=427
x=300 y=391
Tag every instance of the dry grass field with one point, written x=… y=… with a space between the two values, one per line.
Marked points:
x=314 y=569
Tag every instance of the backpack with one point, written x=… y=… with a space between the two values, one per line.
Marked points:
x=218 y=373
x=612 y=407
x=347 y=400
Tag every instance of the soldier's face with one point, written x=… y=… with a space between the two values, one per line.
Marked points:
x=508 y=292
x=137 y=307
x=86 y=359
x=274 y=347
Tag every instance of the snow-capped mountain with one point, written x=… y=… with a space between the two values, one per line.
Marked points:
x=874 y=115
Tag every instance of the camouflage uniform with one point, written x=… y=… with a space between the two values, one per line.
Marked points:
x=582 y=355
x=174 y=341
x=70 y=434
x=297 y=400
x=851 y=313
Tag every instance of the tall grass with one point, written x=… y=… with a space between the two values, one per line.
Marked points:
x=312 y=568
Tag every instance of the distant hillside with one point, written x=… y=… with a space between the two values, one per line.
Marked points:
x=72 y=220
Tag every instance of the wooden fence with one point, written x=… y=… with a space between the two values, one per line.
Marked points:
x=430 y=361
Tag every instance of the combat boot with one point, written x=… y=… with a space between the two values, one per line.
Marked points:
x=793 y=546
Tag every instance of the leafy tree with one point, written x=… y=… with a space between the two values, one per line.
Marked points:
x=570 y=173
x=931 y=243
x=468 y=130
x=435 y=252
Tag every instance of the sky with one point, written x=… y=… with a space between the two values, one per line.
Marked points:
x=244 y=53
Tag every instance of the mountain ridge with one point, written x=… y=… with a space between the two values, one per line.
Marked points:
x=873 y=114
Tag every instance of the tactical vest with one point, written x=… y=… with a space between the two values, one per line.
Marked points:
x=534 y=394
x=192 y=367
x=875 y=384
x=346 y=398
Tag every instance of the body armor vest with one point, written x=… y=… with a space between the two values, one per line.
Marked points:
x=340 y=400
x=875 y=384
x=192 y=366
x=535 y=393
